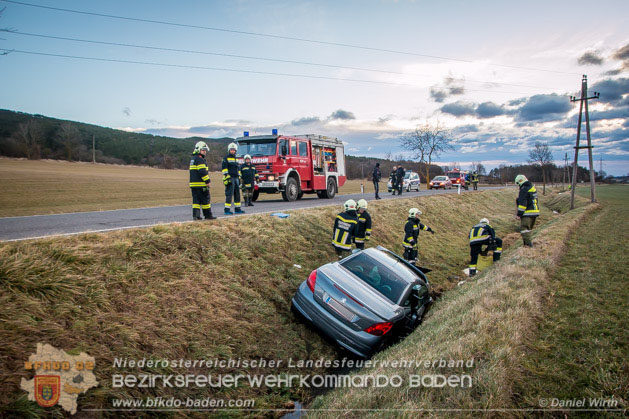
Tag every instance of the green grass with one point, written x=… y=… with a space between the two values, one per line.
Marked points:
x=582 y=345
x=203 y=290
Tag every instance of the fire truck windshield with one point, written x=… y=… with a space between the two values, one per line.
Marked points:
x=454 y=174
x=258 y=148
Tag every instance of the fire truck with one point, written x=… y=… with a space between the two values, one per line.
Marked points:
x=294 y=165
x=457 y=177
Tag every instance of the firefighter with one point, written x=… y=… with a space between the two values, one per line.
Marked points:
x=528 y=211
x=231 y=180
x=375 y=177
x=345 y=225
x=475 y=180
x=467 y=181
x=392 y=179
x=363 y=231
x=411 y=231
x=200 y=183
x=249 y=179
x=399 y=177
x=483 y=234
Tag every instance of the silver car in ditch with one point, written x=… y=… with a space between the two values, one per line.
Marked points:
x=365 y=299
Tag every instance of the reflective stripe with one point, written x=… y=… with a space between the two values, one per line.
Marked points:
x=206 y=177
x=198 y=184
x=472 y=266
x=228 y=205
x=196 y=206
x=225 y=170
x=231 y=159
x=208 y=206
x=237 y=204
x=347 y=221
x=522 y=207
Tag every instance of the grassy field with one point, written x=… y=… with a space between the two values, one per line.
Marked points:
x=202 y=291
x=34 y=187
x=548 y=322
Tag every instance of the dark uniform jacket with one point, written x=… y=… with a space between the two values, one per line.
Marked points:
x=411 y=231
x=199 y=177
x=475 y=178
x=230 y=166
x=399 y=174
x=363 y=231
x=344 y=231
x=392 y=177
x=376 y=175
x=481 y=232
x=249 y=175
x=527 y=200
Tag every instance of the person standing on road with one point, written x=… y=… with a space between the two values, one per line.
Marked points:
x=249 y=179
x=411 y=232
x=200 y=183
x=528 y=209
x=345 y=225
x=375 y=177
x=392 y=180
x=363 y=231
x=475 y=180
x=483 y=234
x=399 y=177
x=231 y=180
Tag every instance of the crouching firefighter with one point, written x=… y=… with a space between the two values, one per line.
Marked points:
x=231 y=180
x=483 y=234
x=200 y=183
x=345 y=225
x=411 y=232
x=249 y=179
x=363 y=231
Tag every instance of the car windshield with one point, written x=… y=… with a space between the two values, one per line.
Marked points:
x=384 y=274
x=441 y=178
x=258 y=148
x=407 y=175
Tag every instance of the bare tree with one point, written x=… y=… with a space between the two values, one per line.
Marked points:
x=427 y=142
x=69 y=136
x=388 y=155
x=541 y=156
x=478 y=167
x=28 y=136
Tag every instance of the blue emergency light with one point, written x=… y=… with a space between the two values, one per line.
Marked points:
x=274 y=131
x=246 y=133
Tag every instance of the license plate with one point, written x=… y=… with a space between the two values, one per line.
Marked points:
x=340 y=309
x=267 y=184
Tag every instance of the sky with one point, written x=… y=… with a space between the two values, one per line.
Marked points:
x=498 y=74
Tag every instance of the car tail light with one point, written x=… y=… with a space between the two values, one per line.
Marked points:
x=312 y=280
x=379 y=329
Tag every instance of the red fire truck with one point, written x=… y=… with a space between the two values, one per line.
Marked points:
x=457 y=177
x=295 y=164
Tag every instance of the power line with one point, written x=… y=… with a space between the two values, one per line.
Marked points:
x=234 y=70
x=150 y=47
x=266 y=35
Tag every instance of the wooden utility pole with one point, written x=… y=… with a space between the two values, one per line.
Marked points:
x=583 y=100
x=93 y=148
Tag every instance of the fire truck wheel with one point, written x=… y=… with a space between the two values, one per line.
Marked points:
x=255 y=196
x=330 y=190
x=291 y=193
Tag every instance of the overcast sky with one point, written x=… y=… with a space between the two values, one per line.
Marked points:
x=498 y=73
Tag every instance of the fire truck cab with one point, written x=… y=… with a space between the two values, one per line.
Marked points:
x=457 y=177
x=295 y=165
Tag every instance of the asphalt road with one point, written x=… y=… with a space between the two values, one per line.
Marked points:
x=39 y=226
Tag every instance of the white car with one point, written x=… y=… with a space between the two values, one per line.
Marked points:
x=411 y=182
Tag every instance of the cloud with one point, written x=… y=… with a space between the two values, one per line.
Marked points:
x=543 y=108
x=450 y=87
x=614 y=113
x=590 y=58
x=622 y=53
x=459 y=108
x=306 y=120
x=341 y=114
x=464 y=129
x=438 y=95
x=489 y=110
x=611 y=90
x=126 y=111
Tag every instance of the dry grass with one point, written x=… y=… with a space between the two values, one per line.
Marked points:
x=202 y=290
x=30 y=187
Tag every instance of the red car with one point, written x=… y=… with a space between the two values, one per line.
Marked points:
x=440 y=182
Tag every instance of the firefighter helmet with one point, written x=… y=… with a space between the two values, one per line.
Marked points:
x=200 y=146
x=232 y=146
x=350 y=205
x=520 y=179
x=413 y=212
x=247 y=156
x=362 y=204
x=484 y=221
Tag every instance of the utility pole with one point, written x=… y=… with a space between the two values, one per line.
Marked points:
x=583 y=100
x=93 y=148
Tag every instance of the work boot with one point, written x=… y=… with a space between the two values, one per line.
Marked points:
x=528 y=244
x=250 y=202
x=472 y=272
x=208 y=214
x=196 y=214
x=239 y=210
x=228 y=212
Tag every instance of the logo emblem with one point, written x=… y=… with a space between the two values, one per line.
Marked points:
x=47 y=390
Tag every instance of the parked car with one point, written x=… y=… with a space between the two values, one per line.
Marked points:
x=440 y=182
x=411 y=182
x=363 y=300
